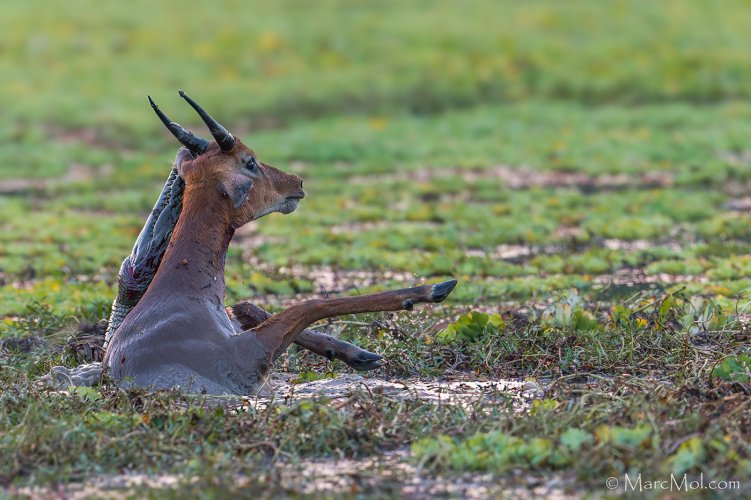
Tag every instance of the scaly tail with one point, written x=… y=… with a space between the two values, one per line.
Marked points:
x=139 y=268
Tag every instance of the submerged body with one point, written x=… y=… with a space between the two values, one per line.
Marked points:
x=195 y=350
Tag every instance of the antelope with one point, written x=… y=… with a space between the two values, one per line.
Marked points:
x=138 y=269
x=169 y=327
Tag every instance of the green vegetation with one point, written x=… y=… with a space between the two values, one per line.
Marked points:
x=581 y=169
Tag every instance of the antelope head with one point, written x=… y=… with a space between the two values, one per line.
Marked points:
x=227 y=168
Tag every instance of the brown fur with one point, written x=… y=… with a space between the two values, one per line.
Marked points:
x=179 y=334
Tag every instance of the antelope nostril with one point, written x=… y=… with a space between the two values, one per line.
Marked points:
x=300 y=183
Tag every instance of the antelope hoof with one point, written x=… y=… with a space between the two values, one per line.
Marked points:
x=440 y=291
x=365 y=361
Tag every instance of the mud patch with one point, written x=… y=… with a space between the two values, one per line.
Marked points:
x=625 y=283
x=112 y=486
x=524 y=177
x=92 y=137
x=360 y=227
x=327 y=279
x=521 y=253
x=635 y=277
x=248 y=237
x=392 y=472
x=737 y=189
x=451 y=392
x=465 y=392
x=742 y=204
x=516 y=253
x=75 y=174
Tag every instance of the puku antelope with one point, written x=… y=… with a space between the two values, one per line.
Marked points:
x=177 y=333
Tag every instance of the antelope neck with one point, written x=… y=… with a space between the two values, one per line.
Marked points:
x=194 y=261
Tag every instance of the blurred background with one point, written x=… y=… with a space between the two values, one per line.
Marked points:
x=523 y=147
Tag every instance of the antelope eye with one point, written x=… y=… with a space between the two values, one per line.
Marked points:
x=252 y=164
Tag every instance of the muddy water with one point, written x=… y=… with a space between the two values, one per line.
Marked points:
x=465 y=392
x=436 y=391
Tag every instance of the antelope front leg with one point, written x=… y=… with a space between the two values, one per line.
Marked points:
x=280 y=330
x=245 y=316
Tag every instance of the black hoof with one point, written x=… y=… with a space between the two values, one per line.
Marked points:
x=365 y=361
x=442 y=290
x=373 y=365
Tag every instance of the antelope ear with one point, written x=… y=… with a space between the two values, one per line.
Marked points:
x=182 y=160
x=236 y=188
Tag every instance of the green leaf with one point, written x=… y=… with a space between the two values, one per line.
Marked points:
x=538 y=450
x=87 y=394
x=574 y=438
x=734 y=369
x=469 y=327
x=667 y=305
x=624 y=436
x=542 y=406
x=689 y=455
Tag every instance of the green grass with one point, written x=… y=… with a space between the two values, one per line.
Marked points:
x=285 y=61
x=583 y=166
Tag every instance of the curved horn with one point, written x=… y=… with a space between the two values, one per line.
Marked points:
x=195 y=144
x=223 y=138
